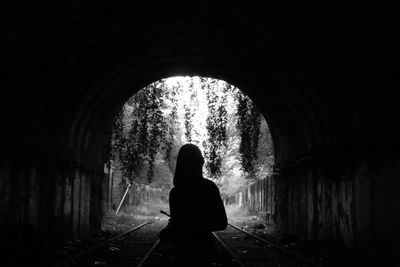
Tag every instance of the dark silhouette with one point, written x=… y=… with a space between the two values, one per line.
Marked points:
x=196 y=210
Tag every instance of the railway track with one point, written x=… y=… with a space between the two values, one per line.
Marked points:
x=234 y=247
x=248 y=249
x=126 y=249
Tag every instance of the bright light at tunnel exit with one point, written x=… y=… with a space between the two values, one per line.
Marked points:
x=200 y=116
x=189 y=97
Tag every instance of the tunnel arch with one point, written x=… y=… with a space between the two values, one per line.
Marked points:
x=117 y=91
x=264 y=72
x=259 y=40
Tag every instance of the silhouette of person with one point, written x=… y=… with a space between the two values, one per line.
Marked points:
x=196 y=210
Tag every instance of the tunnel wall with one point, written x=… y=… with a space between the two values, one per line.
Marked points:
x=44 y=202
x=258 y=199
x=350 y=201
x=353 y=203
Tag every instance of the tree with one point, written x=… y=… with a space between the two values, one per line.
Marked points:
x=248 y=124
x=216 y=125
x=160 y=118
x=146 y=132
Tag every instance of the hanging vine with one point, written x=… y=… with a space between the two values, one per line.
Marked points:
x=117 y=138
x=190 y=110
x=156 y=126
x=248 y=124
x=170 y=123
x=216 y=125
x=147 y=130
x=153 y=124
x=188 y=124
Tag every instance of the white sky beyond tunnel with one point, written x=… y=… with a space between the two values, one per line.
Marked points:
x=200 y=105
x=184 y=92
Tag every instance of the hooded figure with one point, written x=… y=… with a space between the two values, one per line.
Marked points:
x=196 y=210
x=189 y=166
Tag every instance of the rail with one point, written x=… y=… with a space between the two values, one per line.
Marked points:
x=149 y=252
x=280 y=248
x=230 y=252
x=69 y=259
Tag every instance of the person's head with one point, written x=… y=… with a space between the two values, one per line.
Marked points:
x=189 y=165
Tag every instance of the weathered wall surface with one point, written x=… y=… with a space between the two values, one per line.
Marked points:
x=44 y=201
x=354 y=204
x=259 y=198
x=350 y=203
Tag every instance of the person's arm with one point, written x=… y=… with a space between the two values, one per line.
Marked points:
x=172 y=207
x=219 y=219
x=168 y=233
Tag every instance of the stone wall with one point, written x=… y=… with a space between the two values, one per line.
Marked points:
x=353 y=204
x=45 y=201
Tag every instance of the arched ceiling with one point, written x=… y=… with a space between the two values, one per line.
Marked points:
x=311 y=70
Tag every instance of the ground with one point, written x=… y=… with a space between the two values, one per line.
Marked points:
x=321 y=253
x=122 y=222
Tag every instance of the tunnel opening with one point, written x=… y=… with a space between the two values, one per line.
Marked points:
x=155 y=122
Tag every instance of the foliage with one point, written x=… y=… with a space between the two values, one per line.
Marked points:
x=248 y=124
x=171 y=123
x=216 y=116
x=147 y=130
x=117 y=140
x=216 y=126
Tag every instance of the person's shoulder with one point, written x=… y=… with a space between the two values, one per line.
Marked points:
x=172 y=191
x=210 y=184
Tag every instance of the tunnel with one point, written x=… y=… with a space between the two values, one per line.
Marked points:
x=322 y=75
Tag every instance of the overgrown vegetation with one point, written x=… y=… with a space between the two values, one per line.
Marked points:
x=210 y=113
